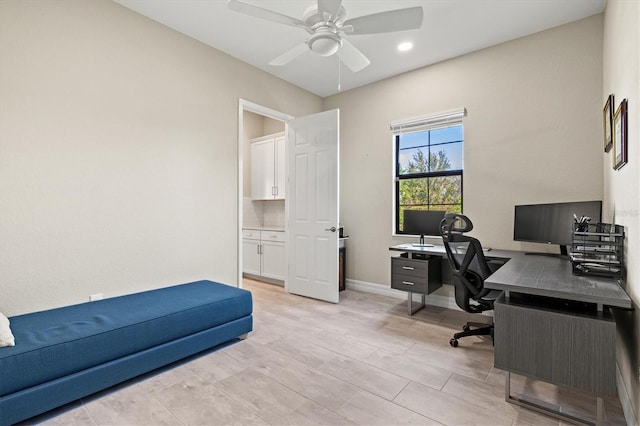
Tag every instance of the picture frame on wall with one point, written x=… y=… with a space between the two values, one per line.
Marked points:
x=620 y=136
x=607 y=121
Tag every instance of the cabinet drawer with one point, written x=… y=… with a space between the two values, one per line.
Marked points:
x=250 y=234
x=273 y=236
x=410 y=283
x=409 y=267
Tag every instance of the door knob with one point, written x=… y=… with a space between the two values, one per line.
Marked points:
x=332 y=229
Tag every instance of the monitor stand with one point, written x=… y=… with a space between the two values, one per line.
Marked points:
x=421 y=243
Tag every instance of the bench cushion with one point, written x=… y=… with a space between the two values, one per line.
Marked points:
x=58 y=342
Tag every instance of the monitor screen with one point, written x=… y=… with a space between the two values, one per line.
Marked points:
x=422 y=222
x=552 y=223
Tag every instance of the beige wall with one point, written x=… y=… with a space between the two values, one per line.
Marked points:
x=621 y=76
x=271 y=126
x=118 y=153
x=532 y=135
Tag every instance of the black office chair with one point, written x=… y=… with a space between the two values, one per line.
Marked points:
x=470 y=269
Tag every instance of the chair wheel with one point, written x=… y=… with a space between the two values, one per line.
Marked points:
x=466 y=328
x=454 y=342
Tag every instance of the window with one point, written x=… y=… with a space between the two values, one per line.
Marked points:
x=428 y=165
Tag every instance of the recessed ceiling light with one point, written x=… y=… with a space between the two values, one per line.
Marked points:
x=405 y=46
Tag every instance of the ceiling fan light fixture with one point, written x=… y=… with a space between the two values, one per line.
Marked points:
x=324 y=43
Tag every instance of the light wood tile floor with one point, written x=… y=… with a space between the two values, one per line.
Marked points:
x=362 y=361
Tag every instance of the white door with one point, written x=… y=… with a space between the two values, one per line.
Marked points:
x=312 y=203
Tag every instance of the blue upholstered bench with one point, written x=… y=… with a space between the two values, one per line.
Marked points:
x=67 y=353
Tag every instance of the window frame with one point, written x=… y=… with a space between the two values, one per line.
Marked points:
x=441 y=173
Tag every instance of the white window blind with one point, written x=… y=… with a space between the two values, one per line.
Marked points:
x=428 y=122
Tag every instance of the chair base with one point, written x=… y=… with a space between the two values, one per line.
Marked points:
x=479 y=329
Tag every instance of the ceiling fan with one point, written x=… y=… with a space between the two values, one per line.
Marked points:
x=327 y=23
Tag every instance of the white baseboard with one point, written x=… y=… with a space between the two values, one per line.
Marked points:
x=625 y=400
x=263 y=278
x=383 y=290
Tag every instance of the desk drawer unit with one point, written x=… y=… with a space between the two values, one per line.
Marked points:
x=416 y=275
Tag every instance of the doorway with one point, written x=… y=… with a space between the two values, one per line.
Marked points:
x=255 y=121
x=309 y=249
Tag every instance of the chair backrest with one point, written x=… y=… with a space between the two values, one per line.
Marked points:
x=467 y=261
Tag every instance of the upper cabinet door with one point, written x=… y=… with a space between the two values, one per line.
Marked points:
x=281 y=176
x=268 y=174
x=262 y=169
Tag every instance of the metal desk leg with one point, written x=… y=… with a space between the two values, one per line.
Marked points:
x=600 y=411
x=411 y=309
x=519 y=400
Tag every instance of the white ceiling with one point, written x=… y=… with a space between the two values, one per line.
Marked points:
x=450 y=28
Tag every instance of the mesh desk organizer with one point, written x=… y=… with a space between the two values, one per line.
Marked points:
x=597 y=249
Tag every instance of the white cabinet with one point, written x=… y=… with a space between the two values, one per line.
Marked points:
x=262 y=169
x=251 y=257
x=273 y=261
x=263 y=253
x=268 y=178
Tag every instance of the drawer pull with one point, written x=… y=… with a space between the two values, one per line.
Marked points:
x=408 y=283
x=410 y=268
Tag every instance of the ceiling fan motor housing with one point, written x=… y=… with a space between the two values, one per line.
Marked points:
x=312 y=17
x=324 y=40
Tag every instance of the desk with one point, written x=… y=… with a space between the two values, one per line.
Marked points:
x=555 y=326
x=550 y=324
x=342 y=261
x=439 y=250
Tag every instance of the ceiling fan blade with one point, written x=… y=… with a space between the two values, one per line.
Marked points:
x=290 y=54
x=269 y=15
x=385 y=22
x=330 y=7
x=352 y=57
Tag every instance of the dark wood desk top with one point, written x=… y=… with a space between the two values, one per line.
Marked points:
x=543 y=276
x=553 y=277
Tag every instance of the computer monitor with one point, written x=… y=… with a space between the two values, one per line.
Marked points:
x=552 y=223
x=422 y=222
